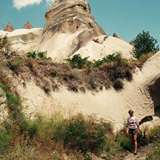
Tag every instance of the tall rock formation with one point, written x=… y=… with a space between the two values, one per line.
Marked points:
x=69 y=26
x=71 y=29
x=9 y=27
x=28 y=26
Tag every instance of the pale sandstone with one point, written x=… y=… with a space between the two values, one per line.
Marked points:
x=141 y=95
x=71 y=29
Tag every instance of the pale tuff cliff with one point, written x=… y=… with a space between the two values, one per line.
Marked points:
x=141 y=94
x=71 y=29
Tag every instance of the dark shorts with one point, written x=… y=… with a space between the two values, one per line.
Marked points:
x=133 y=131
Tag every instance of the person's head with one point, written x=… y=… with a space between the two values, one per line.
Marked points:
x=130 y=112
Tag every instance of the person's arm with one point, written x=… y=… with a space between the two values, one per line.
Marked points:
x=137 y=123
x=127 y=127
x=126 y=130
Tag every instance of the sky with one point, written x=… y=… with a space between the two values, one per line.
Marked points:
x=126 y=18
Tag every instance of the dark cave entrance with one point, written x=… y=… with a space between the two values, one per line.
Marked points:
x=154 y=90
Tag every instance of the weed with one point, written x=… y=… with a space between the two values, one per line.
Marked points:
x=118 y=84
x=154 y=154
x=82 y=89
x=4 y=142
x=77 y=61
x=84 y=135
x=129 y=76
x=38 y=55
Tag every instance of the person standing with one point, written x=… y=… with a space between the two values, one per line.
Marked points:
x=132 y=128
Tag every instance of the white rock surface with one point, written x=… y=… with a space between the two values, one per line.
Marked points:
x=100 y=49
x=141 y=95
x=23 y=40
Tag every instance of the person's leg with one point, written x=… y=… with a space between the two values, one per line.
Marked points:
x=132 y=139
x=135 y=143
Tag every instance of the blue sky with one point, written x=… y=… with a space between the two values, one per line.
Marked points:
x=127 y=18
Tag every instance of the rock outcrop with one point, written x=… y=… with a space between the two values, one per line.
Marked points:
x=141 y=94
x=9 y=27
x=23 y=40
x=116 y=36
x=28 y=26
x=69 y=27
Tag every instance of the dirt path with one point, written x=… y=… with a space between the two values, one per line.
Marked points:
x=141 y=155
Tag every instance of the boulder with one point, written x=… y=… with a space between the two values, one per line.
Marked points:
x=9 y=27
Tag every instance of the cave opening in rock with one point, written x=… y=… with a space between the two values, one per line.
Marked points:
x=154 y=90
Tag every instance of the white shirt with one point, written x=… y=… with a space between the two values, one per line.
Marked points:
x=132 y=122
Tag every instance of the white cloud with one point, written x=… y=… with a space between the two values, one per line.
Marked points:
x=49 y=2
x=23 y=3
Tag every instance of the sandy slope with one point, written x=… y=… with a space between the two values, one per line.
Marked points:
x=108 y=104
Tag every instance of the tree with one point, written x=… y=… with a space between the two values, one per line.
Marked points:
x=144 y=43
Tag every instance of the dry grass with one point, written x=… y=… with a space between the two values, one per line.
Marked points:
x=50 y=76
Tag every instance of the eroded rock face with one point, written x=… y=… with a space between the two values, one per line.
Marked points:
x=116 y=36
x=71 y=29
x=141 y=95
x=69 y=26
x=69 y=16
x=28 y=26
x=9 y=27
x=23 y=40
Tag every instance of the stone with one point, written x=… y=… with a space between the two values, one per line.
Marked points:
x=9 y=27
x=116 y=36
x=28 y=26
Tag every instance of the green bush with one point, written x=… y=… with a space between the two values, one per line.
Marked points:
x=33 y=128
x=77 y=61
x=38 y=55
x=4 y=42
x=144 y=43
x=84 y=135
x=126 y=143
x=4 y=142
x=108 y=59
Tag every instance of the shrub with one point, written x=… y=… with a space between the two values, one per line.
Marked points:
x=126 y=143
x=17 y=61
x=4 y=142
x=38 y=55
x=118 y=84
x=129 y=76
x=84 y=135
x=4 y=42
x=33 y=128
x=108 y=59
x=144 y=43
x=77 y=61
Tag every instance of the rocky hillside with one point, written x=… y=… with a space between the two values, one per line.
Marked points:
x=70 y=29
